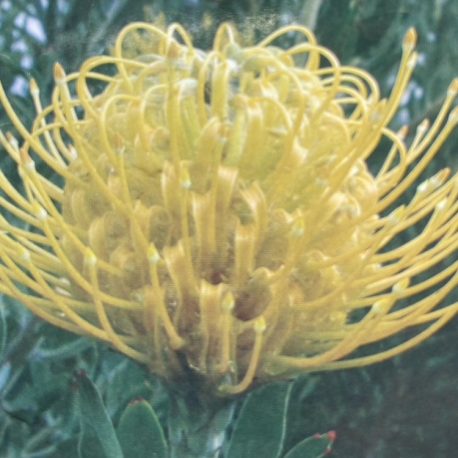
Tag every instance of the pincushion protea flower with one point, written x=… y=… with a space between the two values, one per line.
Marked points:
x=214 y=213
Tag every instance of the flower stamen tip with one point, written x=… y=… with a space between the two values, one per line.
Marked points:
x=260 y=325
x=453 y=88
x=228 y=303
x=401 y=285
x=90 y=259
x=453 y=116
x=59 y=73
x=410 y=39
x=153 y=255
x=185 y=178
x=423 y=126
x=25 y=255
x=41 y=213
x=33 y=87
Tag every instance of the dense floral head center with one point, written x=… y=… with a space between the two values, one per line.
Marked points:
x=217 y=213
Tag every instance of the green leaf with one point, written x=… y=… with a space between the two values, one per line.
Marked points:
x=64 y=351
x=127 y=381
x=261 y=426
x=94 y=418
x=140 y=433
x=88 y=444
x=316 y=446
x=67 y=448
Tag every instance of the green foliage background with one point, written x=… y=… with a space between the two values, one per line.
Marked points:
x=407 y=407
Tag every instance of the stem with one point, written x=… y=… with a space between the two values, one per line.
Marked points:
x=197 y=425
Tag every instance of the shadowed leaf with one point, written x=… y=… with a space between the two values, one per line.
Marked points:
x=94 y=417
x=260 y=428
x=140 y=433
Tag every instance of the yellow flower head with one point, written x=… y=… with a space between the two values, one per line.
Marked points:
x=214 y=213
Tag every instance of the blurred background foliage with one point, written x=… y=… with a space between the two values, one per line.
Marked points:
x=407 y=407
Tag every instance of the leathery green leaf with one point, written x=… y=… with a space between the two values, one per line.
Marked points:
x=140 y=433
x=88 y=446
x=261 y=425
x=316 y=446
x=94 y=416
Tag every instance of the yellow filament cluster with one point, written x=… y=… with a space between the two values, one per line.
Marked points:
x=214 y=212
